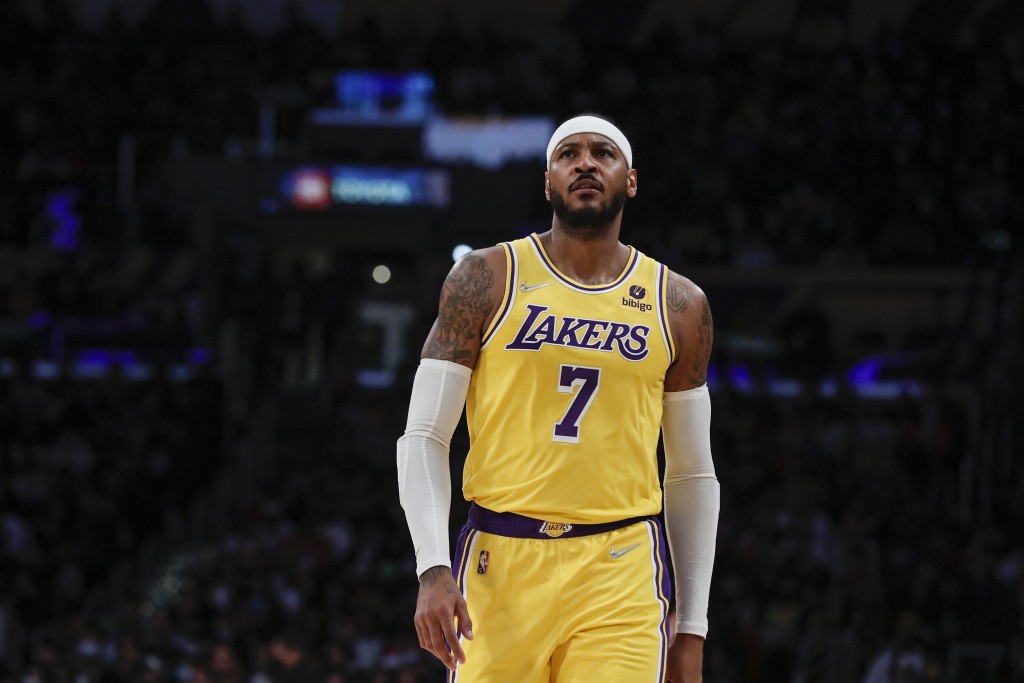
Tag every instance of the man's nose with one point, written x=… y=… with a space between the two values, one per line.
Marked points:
x=585 y=162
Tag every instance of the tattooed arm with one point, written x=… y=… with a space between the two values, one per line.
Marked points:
x=693 y=332
x=469 y=299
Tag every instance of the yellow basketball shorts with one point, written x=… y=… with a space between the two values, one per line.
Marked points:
x=562 y=603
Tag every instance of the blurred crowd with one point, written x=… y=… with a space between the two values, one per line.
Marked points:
x=56 y=302
x=306 y=595
x=89 y=470
x=843 y=536
x=849 y=542
x=842 y=541
x=897 y=151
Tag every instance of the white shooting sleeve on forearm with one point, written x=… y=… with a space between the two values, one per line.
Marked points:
x=692 y=500
x=424 y=481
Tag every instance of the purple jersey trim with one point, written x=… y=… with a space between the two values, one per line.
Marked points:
x=518 y=526
x=634 y=259
x=510 y=294
x=666 y=329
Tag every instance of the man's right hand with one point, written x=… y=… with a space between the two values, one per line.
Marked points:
x=440 y=602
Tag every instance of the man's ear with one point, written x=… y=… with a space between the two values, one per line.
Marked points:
x=547 y=186
x=631 y=183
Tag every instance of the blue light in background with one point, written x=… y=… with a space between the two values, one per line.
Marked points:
x=317 y=188
x=828 y=387
x=96 y=363
x=39 y=319
x=788 y=388
x=8 y=368
x=96 y=356
x=375 y=379
x=139 y=372
x=714 y=376
x=45 y=369
x=86 y=370
x=66 y=225
x=740 y=377
x=878 y=390
x=374 y=94
x=126 y=359
x=865 y=372
x=180 y=373
x=92 y=364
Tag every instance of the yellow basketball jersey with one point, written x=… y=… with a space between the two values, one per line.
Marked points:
x=564 y=407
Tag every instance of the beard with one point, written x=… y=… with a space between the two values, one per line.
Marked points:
x=590 y=222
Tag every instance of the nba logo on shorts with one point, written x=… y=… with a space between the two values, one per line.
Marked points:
x=485 y=559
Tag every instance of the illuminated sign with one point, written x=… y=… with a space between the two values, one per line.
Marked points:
x=316 y=188
x=374 y=94
x=488 y=142
x=311 y=189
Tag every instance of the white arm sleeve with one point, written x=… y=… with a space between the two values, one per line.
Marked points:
x=424 y=481
x=691 y=503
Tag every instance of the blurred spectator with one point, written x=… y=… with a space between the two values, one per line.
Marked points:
x=904 y=660
x=293 y=661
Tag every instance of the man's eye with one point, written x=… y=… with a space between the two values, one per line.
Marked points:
x=566 y=153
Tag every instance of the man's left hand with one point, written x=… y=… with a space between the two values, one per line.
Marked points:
x=685 y=659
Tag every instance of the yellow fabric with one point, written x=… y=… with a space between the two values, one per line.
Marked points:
x=564 y=610
x=537 y=446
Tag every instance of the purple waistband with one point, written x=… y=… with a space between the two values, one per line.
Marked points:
x=518 y=526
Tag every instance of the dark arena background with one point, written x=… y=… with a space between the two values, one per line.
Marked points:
x=224 y=229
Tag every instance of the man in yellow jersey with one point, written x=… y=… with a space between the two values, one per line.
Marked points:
x=570 y=352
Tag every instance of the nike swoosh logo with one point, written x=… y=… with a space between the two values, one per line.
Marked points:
x=523 y=287
x=617 y=555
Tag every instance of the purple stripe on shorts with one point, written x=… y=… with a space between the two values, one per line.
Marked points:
x=666 y=580
x=459 y=562
x=518 y=526
x=461 y=548
x=660 y=563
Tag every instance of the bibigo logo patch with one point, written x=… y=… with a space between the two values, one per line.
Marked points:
x=636 y=293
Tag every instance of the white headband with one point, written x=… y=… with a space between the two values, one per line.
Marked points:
x=591 y=124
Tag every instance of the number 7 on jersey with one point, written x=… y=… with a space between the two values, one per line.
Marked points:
x=567 y=430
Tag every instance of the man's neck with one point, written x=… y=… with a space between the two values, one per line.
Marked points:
x=590 y=261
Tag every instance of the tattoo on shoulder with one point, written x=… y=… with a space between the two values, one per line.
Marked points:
x=464 y=306
x=677 y=296
x=705 y=339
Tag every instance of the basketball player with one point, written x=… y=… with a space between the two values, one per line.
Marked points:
x=569 y=351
